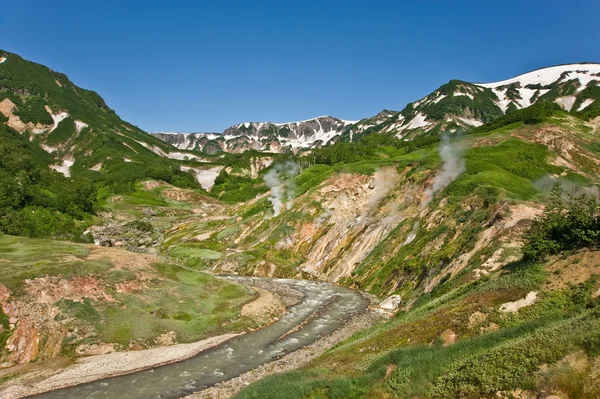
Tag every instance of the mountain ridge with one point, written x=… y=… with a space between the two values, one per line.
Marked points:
x=262 y=136
x=425 y=115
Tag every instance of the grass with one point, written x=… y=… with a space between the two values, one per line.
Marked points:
x=31 y=258
x=194 y=251
x=476 y=366
x=193 y=304
x=511 y=166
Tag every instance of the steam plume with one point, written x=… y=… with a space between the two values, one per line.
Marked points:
x=383 y=182
x=278 y=180
x=453 y=165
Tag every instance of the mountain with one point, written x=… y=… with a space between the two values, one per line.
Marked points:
x=463 y=105
x=446 y=227
x=262 y=136
x=62 y=147
x=481 y=261
x=456 y=105
x=75 y=125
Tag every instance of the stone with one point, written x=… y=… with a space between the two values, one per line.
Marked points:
x=391 y=303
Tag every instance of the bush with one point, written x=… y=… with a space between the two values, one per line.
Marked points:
x=565 y=225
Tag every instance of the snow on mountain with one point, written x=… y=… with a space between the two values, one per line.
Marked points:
x=456 y=105
x=462 y=105
x=584 y=73
x=262 y=136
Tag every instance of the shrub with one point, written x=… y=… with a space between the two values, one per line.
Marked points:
x=564 y=225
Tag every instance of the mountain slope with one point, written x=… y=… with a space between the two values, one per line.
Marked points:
x=456 y=105
x=62 y=147
x=460 y=105
x=75 y=125
x=442 y=224
x=261 y=136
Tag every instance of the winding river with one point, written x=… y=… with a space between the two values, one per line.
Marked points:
x=323 y=309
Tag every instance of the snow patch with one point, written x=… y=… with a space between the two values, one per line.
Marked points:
x=504 y=101
x=526 y=95
x=471 y=122
x=2 y=59
x=58 y=118
x=439 y=98
x=48 y=148
x=585 y=104
x=566 y=102
x=418 y=121
x=79 y=126
x=64 y=167
x=460 y=93
x=546 y=76
x=181 y=156
x=206 y=177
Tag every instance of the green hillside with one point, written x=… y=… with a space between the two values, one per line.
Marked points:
x=96 y=153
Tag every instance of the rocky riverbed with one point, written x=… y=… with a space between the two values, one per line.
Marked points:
x=292 y=361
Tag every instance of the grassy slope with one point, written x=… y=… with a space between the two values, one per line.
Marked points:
x=204 y=306
x=106 y=140
x=495 y=351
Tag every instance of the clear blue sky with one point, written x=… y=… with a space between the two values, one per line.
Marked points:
x=206 y=65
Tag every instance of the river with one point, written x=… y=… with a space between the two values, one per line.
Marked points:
x=323 y=309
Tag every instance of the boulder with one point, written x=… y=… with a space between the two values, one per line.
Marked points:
x=391 y=303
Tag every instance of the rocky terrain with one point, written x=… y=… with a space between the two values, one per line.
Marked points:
x=261 y=136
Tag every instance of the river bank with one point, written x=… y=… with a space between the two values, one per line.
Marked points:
x=272 y=301
x=322 y=311
x=292 y=361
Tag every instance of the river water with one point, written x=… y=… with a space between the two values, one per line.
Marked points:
x=324 y=309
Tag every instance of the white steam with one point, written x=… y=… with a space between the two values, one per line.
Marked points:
x=453 y=165
x=278 y=179
x=570 y=188
x=413 y=233
x=384 y=181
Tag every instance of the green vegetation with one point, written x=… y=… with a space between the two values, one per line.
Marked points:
x=510 y=167
x=536 y=113
x=232 y=189
x=205 y=306
x=36 y=201
x=63 y=132
x=482 y=104
x=406 y=356
x=565 y=225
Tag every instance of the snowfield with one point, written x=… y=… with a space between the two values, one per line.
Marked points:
x=546 y=76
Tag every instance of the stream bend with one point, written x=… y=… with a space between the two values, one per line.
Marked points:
x=323 y=309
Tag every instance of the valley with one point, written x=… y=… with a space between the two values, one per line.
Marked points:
x=257 y=262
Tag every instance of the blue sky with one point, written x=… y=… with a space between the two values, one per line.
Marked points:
x=206 y=65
